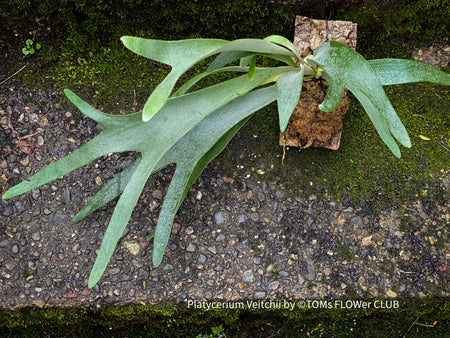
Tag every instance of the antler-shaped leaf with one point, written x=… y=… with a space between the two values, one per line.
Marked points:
x=191 y=154
x=153 y=140
x=347 y=68
x=182 y=55
x=194 y=152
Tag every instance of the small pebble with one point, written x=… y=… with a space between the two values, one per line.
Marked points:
x=125 y=232
x=4 y=243
x=157 y=194
x=260 y=294
x=308 y=269
x=168 y=267
x=283 y=274
x=366 y=241
x=58 y=217
x=274 y=285
x=265 y=187
x=248 y=276
x=36 y=236
x=241 y=219
x=71 y=295
x=221 y=217
x=201 y=258
x=391 y=294
x=35 y=193
x=257 y=260
x=137 y=263
x=25 y=161
x=76 y=247
x=191 y=247
x=234 y=255
x=254 y=216
x=66 y=195
x=39 y=303
x=270 y=268
x=132 y=247
x=220 y=237
x=356 y=221
x=176 y=227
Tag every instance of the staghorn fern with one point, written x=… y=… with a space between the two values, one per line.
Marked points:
x=191 y=129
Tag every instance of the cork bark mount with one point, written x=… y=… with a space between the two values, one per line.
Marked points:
x=308 y=125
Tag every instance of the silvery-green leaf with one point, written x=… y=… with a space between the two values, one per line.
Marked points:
x=191 y=157
x=121 y=215
x=108 y=192
x=195 y=150
x=225 y=58
x=397 y=71
x=282 y=41
x=347 y=68
x=182 y=55
x=153 y=140
x=193 y=81
x=289 y=87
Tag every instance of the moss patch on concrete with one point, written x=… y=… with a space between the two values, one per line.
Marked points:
x=382 y=21
x=362 y=172
x=321 y=318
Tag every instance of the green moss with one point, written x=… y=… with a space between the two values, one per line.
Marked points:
x=344 y=252
x=324 y=317
x=380 y=24
x=362 y=172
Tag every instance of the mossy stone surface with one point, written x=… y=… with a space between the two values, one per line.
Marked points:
x=323 y=318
